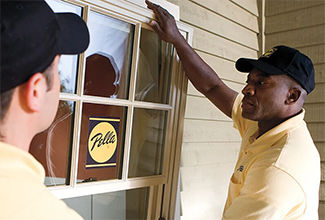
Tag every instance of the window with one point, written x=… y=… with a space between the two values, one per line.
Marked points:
x=113 y=142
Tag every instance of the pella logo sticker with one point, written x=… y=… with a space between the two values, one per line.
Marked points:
x=102 y=142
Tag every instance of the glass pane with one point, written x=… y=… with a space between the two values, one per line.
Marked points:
x=122 y=205
x=68 y=63
x=154 y=69
x=108 y=62
x=147 y=142
x=52 y=148
x=101 y=142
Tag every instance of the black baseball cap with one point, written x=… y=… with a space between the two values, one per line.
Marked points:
x=283 y=60
x=32 y=35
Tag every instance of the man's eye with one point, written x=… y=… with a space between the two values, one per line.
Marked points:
x=261 y=82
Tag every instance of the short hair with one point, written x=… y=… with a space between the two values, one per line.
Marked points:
x=5 y=97
x=48 y=73
x=5 y=100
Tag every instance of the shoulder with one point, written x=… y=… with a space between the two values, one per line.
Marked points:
x=299 y=156
x=30 y=200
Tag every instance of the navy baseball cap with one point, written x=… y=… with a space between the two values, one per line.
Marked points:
x=283 y=60
x=32 y=35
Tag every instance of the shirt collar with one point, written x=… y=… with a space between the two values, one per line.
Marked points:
x=273 y=135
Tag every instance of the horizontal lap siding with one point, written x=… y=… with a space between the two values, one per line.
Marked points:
x=301 y=24
x=224 y=30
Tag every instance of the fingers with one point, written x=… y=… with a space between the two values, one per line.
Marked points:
x=156 y=27
x=159 y=11
x=156 y=9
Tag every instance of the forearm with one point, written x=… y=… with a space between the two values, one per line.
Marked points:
x=199 y=73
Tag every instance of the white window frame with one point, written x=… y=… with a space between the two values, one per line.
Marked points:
x=162 y=187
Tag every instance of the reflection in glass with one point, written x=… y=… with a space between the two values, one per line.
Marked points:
x=147 y=142
x=52 y=148
x=101 y=142
x=154 y=69
x=68 y=63
x=122 y=205
x=108 y=62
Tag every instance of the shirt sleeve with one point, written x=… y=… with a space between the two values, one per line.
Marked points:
x=268 y=193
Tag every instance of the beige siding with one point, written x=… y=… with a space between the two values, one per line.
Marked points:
x=301 y=24
x=224 y=30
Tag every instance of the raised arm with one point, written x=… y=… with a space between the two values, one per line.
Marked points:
x=200 y=74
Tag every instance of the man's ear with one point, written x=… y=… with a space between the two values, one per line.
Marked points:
x=33 y=92
x=293 y=96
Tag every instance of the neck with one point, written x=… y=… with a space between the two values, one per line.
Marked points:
x=15 y=137
x=265 y=126
x=17 y=130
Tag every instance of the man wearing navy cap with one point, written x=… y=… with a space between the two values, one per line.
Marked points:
x=277 y=174
x=32 y=39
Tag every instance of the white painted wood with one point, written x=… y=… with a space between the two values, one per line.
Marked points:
x=323 y=173
x=280 y=6
x=298 y=37
x=321 y=149
x=315 y=112
x=207 y=20
x=317 y=131
x=235 y=86
x=321 y=210
x=315 y=52
x=202 y=108
x=318 y=95
x=206 y=175
x=85 y=189
x=249 y=5
x=224 y=68
x=295 y=19
x=320 y=72
x=198 y=154
x=198 y=204
x=197 y=131
x=322 y=191
x=218 y=46
x=173 y=9
x=231 y=11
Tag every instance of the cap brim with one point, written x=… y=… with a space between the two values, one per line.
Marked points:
x=74 y=34
x=246 y=65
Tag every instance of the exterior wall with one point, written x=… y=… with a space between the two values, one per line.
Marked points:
x=300 y=24
x=224 y=30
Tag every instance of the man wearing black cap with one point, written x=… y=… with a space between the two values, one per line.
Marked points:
x=277 y=174
x=32 y=39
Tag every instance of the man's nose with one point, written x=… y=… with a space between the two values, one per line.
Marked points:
x=248 y=90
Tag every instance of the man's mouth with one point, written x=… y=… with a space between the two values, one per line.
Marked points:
x=247 y=103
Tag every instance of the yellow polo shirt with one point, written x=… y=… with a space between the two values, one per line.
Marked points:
x=23 y=196
x=277 y=176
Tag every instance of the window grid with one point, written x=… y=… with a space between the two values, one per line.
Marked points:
x=130 y=103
